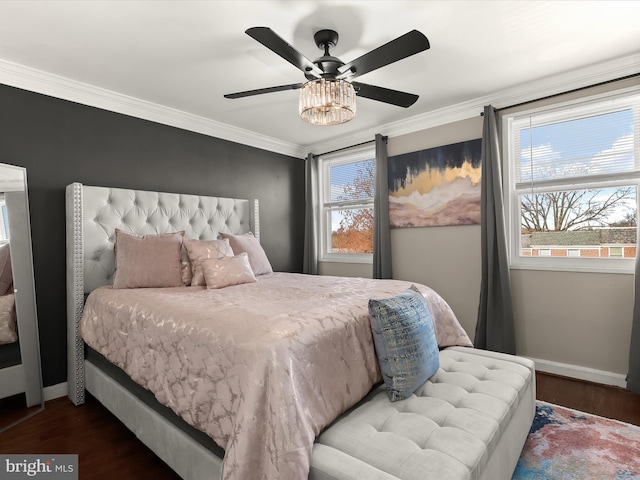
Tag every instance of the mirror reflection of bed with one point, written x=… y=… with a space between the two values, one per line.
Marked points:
x=20 y=372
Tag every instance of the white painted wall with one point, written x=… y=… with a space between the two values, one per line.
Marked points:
x=445 y=258
x=581 y=321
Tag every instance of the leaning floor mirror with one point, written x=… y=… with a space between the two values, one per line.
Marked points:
x=20 y=369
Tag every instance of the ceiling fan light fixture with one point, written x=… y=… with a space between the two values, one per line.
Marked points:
x=327 y=101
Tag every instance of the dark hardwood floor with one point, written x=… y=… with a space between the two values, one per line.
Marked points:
x=108 y=450
x=603 y=400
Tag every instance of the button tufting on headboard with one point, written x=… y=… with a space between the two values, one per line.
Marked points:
x=141 y=212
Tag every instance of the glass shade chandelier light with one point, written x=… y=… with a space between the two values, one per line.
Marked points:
x=327 y=101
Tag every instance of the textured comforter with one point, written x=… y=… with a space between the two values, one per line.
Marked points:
x=262 y=368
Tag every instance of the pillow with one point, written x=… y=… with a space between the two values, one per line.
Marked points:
x=6 y=275
x=147 y=261
x=200 y=250
x=405 y=342
x=8 y=330
x=250 y=244
x=185 y=266
x=225 y=271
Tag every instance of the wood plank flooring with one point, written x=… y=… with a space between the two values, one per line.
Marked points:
x=603 y=400
x=108 y=450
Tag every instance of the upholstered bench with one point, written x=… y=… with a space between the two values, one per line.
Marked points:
x=469 y=421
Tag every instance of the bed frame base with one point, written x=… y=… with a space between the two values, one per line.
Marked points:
x=193 y=461
x=190 y=459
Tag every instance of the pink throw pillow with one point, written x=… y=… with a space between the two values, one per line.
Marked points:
x=201 y=250
x=147 y=261
x=185 y=266
x=226 y=271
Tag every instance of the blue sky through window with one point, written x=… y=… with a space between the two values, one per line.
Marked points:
x=590 y=145
x=593 y=145
x=343 y=175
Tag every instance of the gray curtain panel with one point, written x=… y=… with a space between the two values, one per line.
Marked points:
x=633 y=378
x=495 y=328
x=381 y=232
x=310 y=261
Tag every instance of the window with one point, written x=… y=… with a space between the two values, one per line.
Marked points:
x=4 y=221
x=347 y=183
x=616 y=252
x=572 y=194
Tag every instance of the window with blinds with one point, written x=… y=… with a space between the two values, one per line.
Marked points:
x=572 y=194
x=347 y=183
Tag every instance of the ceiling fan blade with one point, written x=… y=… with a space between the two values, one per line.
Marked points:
x=273 y=42
x=402 y=47
x=260 y=91
x=386 y=95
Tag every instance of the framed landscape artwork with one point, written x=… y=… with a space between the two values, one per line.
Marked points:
x=437 y=186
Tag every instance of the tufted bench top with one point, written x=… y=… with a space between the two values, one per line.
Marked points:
x=447 y=430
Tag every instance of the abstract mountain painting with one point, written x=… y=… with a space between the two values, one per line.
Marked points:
x=437 y=186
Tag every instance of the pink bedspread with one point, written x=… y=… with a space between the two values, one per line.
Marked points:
x=262 y=368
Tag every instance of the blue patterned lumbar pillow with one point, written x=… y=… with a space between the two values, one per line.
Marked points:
x=405 y=342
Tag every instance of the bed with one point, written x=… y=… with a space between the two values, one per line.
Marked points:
x=277 y=382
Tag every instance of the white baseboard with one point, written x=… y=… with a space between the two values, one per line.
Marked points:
x=55 y=391
x=581 y=373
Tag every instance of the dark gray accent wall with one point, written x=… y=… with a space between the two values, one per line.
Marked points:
x=61 y=142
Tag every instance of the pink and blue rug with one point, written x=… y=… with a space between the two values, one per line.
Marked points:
x=565 y=444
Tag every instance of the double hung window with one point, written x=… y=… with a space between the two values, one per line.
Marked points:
x=572 y=192
x=347 y=183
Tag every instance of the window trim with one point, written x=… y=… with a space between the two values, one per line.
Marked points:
x=325 y=162
x=510 y=193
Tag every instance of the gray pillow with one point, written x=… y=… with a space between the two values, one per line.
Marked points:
x=405 y=342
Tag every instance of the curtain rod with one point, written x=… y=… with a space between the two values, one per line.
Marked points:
x=346 y=148
x=606 y=82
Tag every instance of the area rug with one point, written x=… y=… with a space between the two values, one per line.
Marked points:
x=565 y=444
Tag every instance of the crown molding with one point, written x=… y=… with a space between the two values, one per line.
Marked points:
x=38 y=81
x=565 y=82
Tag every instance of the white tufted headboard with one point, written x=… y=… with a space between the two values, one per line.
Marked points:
x=94 y=213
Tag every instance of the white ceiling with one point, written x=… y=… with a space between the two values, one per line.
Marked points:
x=178 y=58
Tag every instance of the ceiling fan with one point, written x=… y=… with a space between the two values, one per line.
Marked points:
x=328 y=97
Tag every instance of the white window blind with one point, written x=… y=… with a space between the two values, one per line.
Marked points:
x=565 y=146
x=351 y=181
